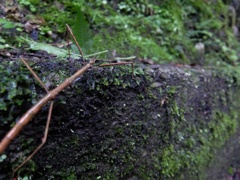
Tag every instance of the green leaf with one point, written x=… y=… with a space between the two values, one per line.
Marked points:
x=8 y=24
x=2 y=46
x=61 y=53
x=82 y=32
x=50 y=49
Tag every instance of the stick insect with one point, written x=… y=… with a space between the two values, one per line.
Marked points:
x=49 y=97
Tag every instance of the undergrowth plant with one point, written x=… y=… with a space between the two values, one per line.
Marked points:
x=165 y=31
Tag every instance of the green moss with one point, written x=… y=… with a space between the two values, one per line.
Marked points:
x=170 y=163
x=14 y=93
x=172 y=160
x=66 y=174
x=122 y=76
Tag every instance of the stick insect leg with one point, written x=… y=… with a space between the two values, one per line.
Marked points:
x=120 y=63
x=48 y=119
x=34 y=74
x=68 y=43
x=43 y=140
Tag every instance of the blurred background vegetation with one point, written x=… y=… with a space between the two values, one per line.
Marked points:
x=180 y=31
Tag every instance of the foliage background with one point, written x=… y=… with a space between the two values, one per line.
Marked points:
x=164 y=31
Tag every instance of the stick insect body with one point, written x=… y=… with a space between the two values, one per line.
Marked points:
x=24 y=120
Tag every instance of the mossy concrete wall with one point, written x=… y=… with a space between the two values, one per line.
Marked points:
x=166 y=122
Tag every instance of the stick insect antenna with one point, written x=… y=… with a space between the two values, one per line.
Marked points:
x=79 y=49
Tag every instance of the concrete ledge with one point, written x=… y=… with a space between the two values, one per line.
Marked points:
x=167 y=122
